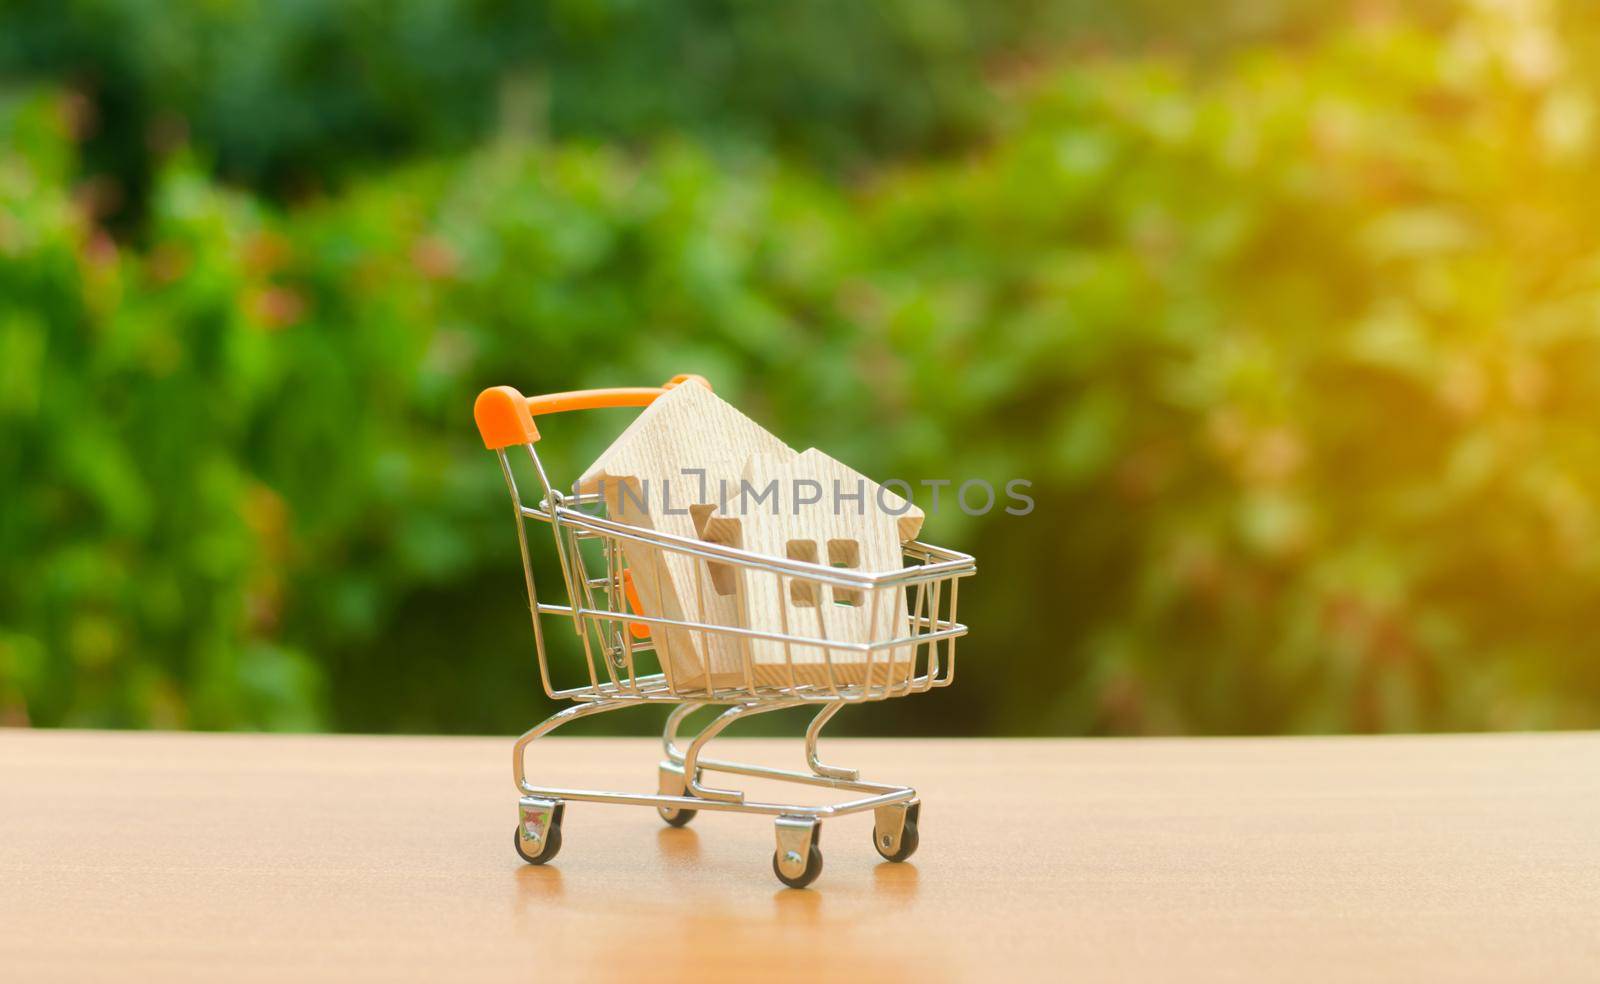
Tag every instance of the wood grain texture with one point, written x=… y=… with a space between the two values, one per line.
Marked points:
x=234 y=857
x=643 y=474
x=820 y=511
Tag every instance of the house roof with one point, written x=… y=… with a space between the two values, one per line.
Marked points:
x=688 y=427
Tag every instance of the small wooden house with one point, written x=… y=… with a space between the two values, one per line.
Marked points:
x=692 y=466
x=812 y=508
x=666 y=472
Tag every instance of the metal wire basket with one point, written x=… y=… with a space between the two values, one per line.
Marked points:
x=631 y=657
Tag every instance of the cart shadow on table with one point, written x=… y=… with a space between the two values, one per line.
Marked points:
x=538 y=883
x=678 y=844
x=895 y=884
x=543 y=882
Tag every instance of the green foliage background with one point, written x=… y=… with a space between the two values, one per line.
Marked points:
x=1291 y=316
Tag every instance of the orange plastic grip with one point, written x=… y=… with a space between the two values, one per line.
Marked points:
x=505 y=417
x=640 y=630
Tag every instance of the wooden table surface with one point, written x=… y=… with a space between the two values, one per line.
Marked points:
x=135 y=856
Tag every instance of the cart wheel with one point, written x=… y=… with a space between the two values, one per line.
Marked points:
x=676 y=818
x=550 y=848
x=806 y=877
x=908 y=842
x=881 y=839
x=673 y=784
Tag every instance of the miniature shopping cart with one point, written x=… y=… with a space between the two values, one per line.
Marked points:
x=624 y=663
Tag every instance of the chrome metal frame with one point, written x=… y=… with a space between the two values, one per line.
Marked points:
x=597 y=607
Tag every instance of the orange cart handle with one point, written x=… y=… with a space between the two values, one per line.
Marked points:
x=505 y=417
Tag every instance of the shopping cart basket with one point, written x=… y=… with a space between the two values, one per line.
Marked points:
x=620 y=644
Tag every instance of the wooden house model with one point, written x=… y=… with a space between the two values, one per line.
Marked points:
x=687 y=466
x=665 y=472
x=820 y=511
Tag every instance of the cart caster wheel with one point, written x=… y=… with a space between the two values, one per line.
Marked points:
x=673 y=783
x=908 y=843
x=812 y=870
x=544 y=850
x=884 y=840
x=676 y=818
x=552 y=846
